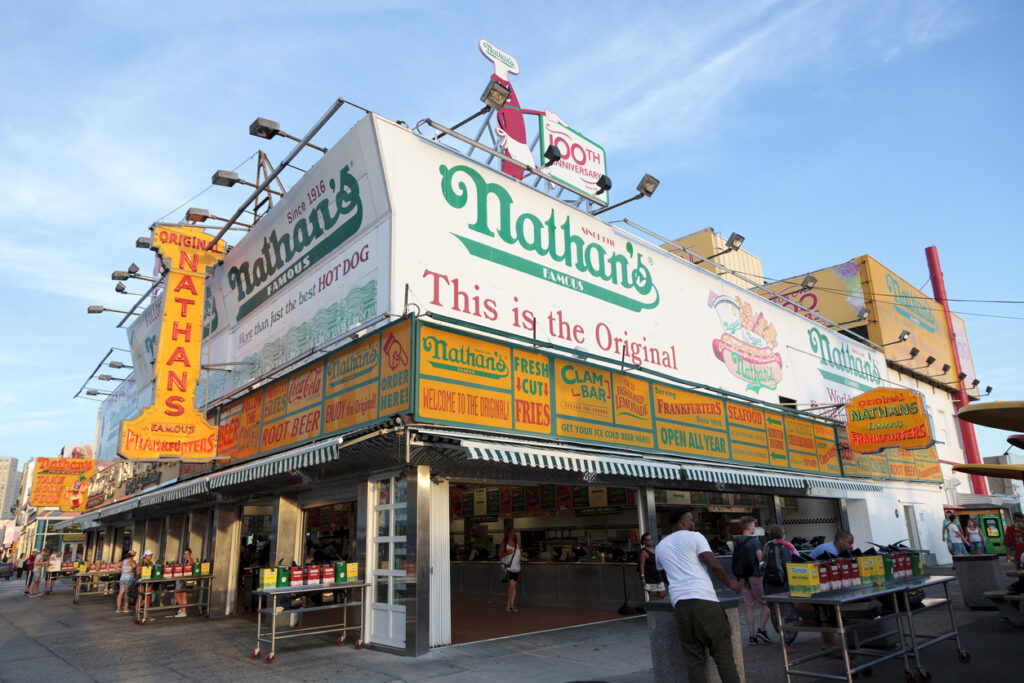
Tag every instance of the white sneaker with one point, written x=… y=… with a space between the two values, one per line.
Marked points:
x=181 y=614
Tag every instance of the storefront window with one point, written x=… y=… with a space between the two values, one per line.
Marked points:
x=330 y=535
x=387 y=572
x=715 y=513
x=553 y=523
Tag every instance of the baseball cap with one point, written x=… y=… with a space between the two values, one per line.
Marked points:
x=148 y=552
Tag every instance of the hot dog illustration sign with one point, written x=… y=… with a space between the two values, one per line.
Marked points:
x=887 y=418
x=172 y=427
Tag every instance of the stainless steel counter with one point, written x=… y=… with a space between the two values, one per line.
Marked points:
x=588 y=585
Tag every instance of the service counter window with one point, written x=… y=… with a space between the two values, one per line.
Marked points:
x=553 y=523
x=716 y=513
x=330 y=534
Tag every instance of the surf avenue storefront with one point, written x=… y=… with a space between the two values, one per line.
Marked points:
x=558 y=375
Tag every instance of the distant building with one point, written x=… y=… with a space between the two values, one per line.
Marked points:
x=9 y=480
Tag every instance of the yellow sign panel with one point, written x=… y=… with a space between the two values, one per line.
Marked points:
x=776 y=432
x=583 y=391
x=532 y=380
x=61 y=483
x=451 y=356
x=632 y=398
x=457 y=403
x=886 y=418
x=825 y=444
x=609 y=433
x=688 y=408
x=896 y=305
x=692 y=441
x=171 y=426
x=803 y=450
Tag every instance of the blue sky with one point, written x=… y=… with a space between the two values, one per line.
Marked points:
x=819 y=130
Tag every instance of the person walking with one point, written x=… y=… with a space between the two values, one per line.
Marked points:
x=180 y=596
x=746 y=566
x=30 y=565
x=127 y=577
x=510 y=549
x=779 y=552
x=974 y=540
x=42 y=559
x=20 y=566
x=703 y=627
x=52 y=570
x=647 y=565
x=953 y=534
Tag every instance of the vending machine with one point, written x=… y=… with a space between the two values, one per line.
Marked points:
x=992 y=528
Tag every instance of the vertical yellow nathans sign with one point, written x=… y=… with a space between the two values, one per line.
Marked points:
x=171 y=427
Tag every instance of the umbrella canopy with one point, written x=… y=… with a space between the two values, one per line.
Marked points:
x=1016 y=440
x=1008 y=415
x=998 y=471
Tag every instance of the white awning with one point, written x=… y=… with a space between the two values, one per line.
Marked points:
x=620 y=463
x=841 y=485
x=723 y=474
x=305 y=456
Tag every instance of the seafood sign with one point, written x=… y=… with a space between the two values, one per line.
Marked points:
x=747 y=345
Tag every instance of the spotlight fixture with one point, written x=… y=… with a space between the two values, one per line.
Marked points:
x=988 y=390
x=101 y=309
x=194 y=215
x=96 y=392
x=604 y=183
x=732 y=244
x=267 y=129
x=945 y=368
x=861 y=317
x=808 y=282
x=143 y=243
x=959 y=378
x=133 y=269
x=645 y=188
x=120 y=275
x=495 y=95
x=226 y=179
x=118 y=365
x=904 y=336
x=913 y=354
x=975 y=382
x=552 y=154
x=109 y=378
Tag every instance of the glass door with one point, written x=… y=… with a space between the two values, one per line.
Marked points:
x=386 y=561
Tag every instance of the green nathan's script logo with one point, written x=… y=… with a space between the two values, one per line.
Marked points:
x=463 y=359
x=634 y=287
x=283 y=258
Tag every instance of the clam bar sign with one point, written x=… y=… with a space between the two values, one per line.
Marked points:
x=171 y=426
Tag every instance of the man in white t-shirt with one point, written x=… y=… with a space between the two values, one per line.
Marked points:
x=703 y=627
x=52 y=569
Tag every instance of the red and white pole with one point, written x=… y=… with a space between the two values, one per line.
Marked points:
x=960 y=398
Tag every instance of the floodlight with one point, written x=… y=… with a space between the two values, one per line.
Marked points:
x=194 y=215
x=495 y=95
x=647 y=185
x=604 y=183
x=552 y=154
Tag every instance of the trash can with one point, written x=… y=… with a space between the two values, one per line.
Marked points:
x=667 y=654
x=977 y=574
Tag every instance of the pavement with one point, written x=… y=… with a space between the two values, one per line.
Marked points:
x=50 y=638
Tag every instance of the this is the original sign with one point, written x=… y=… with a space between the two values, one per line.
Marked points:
x=888 y=418
x=171 y=426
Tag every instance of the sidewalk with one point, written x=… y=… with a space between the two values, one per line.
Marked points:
x=49 y=638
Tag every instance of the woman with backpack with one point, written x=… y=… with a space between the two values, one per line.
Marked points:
x=778 y=552
x=746 y=567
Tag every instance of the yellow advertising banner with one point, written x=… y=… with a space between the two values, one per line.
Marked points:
x=172 y=427
x=888 y=418
x=576 y=401
x=896 y=305
x=61 y=483
x=837 y=295
x=354 y=386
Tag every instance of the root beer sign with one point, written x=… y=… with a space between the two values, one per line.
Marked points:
x=888 y=418
x=172 y=427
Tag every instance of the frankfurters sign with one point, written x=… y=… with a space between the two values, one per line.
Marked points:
x=888 y=418
x=172 y=427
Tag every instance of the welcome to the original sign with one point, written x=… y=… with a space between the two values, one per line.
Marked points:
x=171 y=426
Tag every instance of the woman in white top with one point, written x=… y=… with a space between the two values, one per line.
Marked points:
x=510 y=556
x=974 y=540
x=127 y=576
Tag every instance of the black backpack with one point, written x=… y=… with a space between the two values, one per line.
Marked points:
x=774 y=567
x=742 y=567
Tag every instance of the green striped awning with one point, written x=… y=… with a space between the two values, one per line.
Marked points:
x=728 y=475
x=574 y=461
x=841 y=485
x=306 y=456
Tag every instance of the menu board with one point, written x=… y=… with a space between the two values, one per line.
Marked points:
x=354 y=386
x=470 y=381
x=892 y=463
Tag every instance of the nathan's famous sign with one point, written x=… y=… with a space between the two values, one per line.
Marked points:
x=171 y=426
x=888 y=418
x=61 y=483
